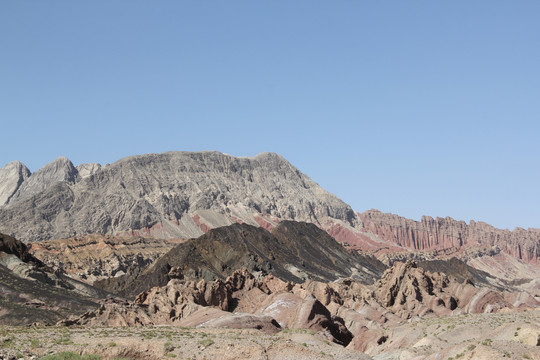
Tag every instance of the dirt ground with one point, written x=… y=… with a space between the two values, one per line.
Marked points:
x=167 y=342
x=479 y=336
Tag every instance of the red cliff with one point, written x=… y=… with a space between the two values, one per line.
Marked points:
x=447 y=233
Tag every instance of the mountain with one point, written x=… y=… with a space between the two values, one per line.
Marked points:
x=170 y=195
x=292 y=251
x=185 y=194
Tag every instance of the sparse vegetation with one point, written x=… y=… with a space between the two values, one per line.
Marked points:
x=168 y=347
x=34 y=343
x=64 y=339
x=205 y=343
x=7 y=342
x=298 y=331
x=70 y=355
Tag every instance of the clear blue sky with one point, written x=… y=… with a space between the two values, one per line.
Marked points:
x=410 y=107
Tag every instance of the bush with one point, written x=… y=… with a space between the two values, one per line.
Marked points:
x=70 y=355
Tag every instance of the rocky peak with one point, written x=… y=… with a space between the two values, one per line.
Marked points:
x=60 y=170
x=87 y=169
x=11 y=178
x=405 y=283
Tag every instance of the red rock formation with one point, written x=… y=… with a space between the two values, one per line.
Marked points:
x=202 y=225
x=447 y=233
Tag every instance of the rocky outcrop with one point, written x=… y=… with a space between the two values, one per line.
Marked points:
x=10 y=245
x=345 y=311
x=95 y=257
x=447 y=233
x=11 y=177
x=215 y=318
x=409 y=290
x=87 y=169
x=60 y=170
x=185 y=303
x=32 y=292
x=293 y=251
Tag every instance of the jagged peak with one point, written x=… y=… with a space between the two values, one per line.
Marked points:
x=17 y=165
x=62 y=160
x=12 y=176
x=59 y=163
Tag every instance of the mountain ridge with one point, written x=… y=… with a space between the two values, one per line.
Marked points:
x=292 y=251
x=184 y=194
x=447 y=233
x=174 y=194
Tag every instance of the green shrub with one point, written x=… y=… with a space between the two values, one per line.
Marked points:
x=70 y=355
x=206 y=342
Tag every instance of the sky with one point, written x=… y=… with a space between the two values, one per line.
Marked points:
x=410 y=107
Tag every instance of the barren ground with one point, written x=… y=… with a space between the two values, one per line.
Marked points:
x=479 y=336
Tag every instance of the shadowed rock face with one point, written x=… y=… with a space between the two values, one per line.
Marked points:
x=10 y=245
x=447 y=233
x=31 y=292
x=293 y=251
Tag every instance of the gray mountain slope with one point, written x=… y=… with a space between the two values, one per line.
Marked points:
x=174 y=194
x=87 y=169
x=60 y=170
x=11 y=178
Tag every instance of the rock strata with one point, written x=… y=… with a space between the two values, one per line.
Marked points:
x=169 y=195
x=95 y=257
x=447 y=233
